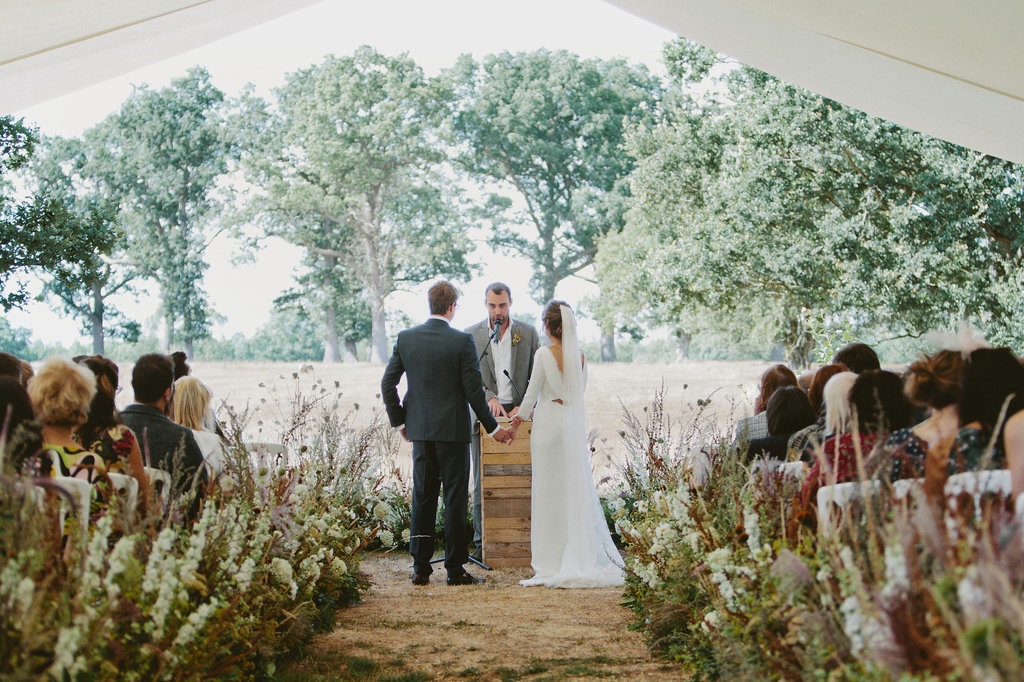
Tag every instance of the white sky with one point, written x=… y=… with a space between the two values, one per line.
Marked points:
x=434 y=34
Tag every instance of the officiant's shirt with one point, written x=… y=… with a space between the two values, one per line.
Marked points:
x=503 y=361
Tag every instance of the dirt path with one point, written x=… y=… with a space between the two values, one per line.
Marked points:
x=498 y=630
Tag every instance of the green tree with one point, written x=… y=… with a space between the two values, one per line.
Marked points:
x=348 y=164
x=163 y=152
x=764 y=198
x=35 y=231
x=84 y=285
x=548 y=127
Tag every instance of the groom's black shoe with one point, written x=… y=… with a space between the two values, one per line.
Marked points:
x=419 y=579
x=463 y=578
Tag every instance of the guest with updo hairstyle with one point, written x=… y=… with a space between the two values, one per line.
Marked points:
x=932 y=382
x=61 y=393
x=103 y=431
x=774 y=378
x=993 y=381
x=879 y=406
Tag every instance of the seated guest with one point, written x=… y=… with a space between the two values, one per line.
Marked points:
x=934 y=382
x=104 y=433
x=10 y=366
x=1013 y=440
x=166 y=445
x=752 y=428
x=805 y=379
x=992 y=391
x=815 y=394
x=838 y=414
x=181 y=366
x=879 y=406
x=788 y=411
x=858 y=357
x=19 y=433
x=60 y=394
x=26 y=373
x=189 y=406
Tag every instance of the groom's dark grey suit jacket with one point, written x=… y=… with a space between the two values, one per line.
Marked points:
x=442 y=374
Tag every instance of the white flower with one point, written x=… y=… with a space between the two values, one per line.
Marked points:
x=382 y=510
x=339 y=567
x=281 y=571
x=300 y=489
x=387 y=538
x=227 y=484
x=897 y=583
x=640 y=507
x=244 y=575
x=712 y=621
x=753 y=531
x=406 y=536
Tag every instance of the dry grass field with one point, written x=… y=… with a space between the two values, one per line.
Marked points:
x=267 y=388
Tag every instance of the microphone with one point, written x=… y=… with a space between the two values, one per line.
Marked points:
x=497 y=331
x=509 y=377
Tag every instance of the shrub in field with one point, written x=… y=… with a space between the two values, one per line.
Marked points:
x=268 y=562
x=726 y=574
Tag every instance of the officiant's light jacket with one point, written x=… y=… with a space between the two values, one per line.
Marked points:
x=442 y=374
x=523 y=351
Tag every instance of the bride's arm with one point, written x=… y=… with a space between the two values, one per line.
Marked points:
x=537 y=379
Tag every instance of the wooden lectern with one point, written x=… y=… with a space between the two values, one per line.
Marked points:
x=507 y=474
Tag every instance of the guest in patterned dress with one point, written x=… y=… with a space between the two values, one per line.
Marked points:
x=992 y=392
x=934 y=382
x=104 y=433
x=879 y=406
x=61 y=392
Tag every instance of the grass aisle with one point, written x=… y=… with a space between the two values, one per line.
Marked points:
x=498 y=630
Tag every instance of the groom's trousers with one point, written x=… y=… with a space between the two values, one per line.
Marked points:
x=435 y=463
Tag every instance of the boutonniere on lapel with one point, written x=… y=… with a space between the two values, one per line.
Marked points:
x=516 y=336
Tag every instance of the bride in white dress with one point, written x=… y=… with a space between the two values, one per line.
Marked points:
x=569 y=537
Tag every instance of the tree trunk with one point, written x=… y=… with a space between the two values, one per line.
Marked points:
x=682 y=345
x=378 y=333
x=168 y=332
x=331 y=351
x=96 y=321
x=799 y=346
x=350 y=351
x=190 y=349
x=607 y=346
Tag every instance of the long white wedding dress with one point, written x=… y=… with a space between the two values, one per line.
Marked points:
x=569 y=537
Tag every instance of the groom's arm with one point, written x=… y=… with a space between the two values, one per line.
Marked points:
x=472 y=386
x=389 y=388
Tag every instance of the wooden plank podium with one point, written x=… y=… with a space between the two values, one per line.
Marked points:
x=507 y=475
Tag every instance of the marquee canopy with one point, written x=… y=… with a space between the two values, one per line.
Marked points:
x=49 y=48
x=950 y=68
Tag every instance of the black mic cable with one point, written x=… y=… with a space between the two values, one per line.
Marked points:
x=509 y=377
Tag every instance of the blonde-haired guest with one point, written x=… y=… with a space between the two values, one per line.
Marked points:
x=61 y=393
x=190 y=403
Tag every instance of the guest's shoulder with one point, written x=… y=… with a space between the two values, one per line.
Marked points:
x=900 y=437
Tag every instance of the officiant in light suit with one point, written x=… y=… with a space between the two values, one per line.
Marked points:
x=508 y=347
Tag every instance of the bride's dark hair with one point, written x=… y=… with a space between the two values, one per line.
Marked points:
x=553 y=318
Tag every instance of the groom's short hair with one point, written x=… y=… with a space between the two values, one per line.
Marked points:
x=498 y=288
x=442 y=296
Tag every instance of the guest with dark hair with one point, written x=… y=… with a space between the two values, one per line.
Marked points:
x=992 y=392
x=10 y=366
x=103 y=431
x=932 y=382
x=167 y=446
x=752 y=428
x=181 y=366
x=788 y=411
x=879 y=406
x=858 y=357
x=20 y=435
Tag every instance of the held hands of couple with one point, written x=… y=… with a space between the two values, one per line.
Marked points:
x=503 y=435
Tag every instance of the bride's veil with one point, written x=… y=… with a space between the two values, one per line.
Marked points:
x=572 y=370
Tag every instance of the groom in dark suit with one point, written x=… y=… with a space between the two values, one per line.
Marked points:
x=443 y=374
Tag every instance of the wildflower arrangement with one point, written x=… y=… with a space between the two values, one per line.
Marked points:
x=271 y=557
x=728 y=576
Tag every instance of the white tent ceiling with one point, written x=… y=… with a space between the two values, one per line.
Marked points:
x=51 y=47
x=950 y=68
